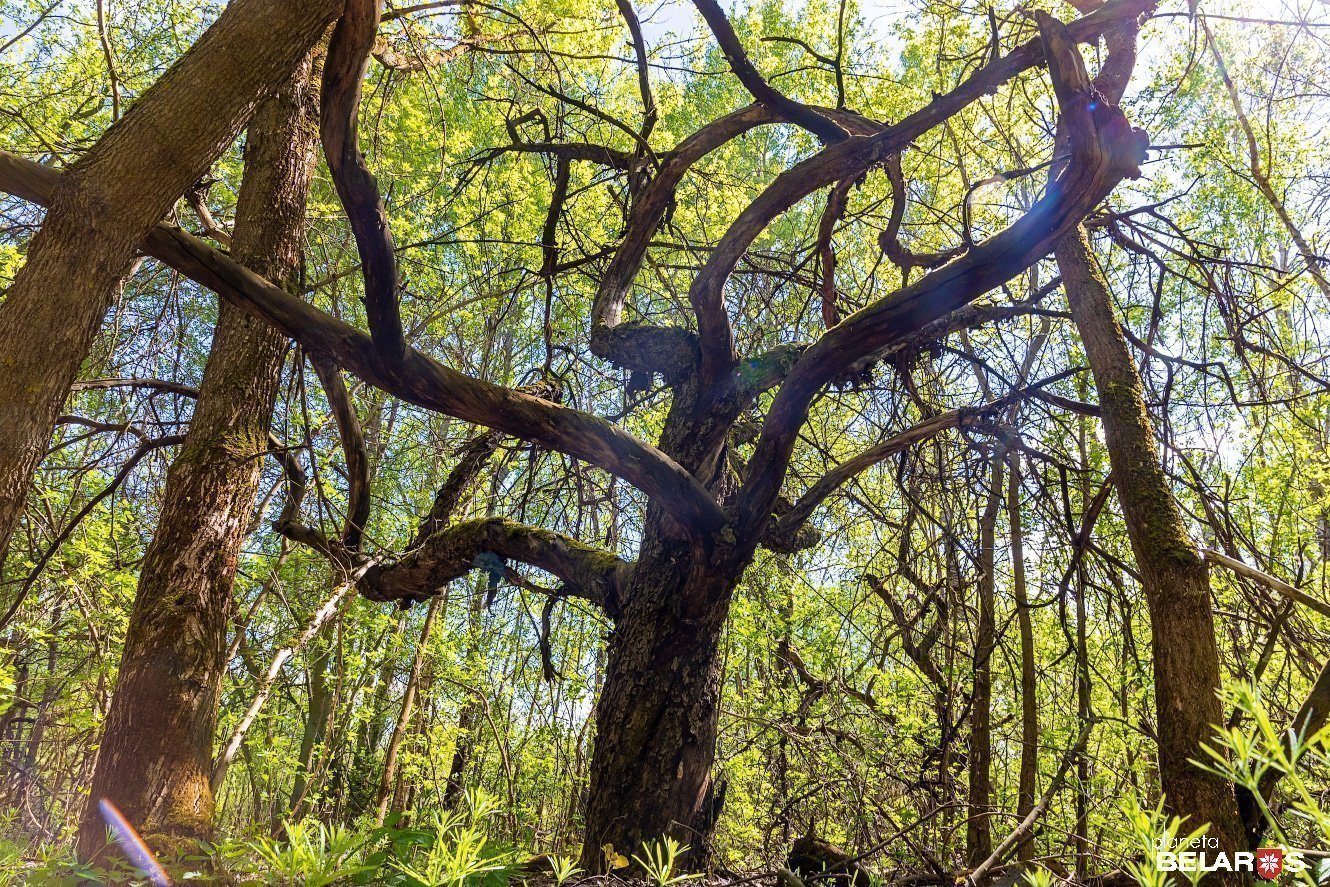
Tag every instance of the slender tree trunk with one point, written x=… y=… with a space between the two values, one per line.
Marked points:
x=316 y=721
x=108 y=201
x=1082 y=830
x=404 y=716
x=978 y=834
x=156 y=754
x=1027 y=786
x=658 y=710
x=467 y=716
x=1177 y=584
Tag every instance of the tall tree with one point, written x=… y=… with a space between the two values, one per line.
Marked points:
x=157 y=747
x=112 y=197
x=1175 y=577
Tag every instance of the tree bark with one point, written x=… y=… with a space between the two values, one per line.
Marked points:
x=467 y=716
x=659 y=707
x=978 y=834
x=109 y=200
x=156 y=754
x=316 y=718
x=1175 y=577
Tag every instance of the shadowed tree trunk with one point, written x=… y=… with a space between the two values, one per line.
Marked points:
x=156 y=754
x=316 y=719
x=657 y=714
x=1176 y=580
x=404 y=716
x=111 y=198
x=468 y=716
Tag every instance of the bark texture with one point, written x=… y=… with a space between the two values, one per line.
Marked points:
x=108 y=201
x=1176 y=580
x=156 y=756
x=1029 y=774
x=657 y=715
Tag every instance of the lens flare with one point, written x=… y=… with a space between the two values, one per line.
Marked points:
x=134 y=849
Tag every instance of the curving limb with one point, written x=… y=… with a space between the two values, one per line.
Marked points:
x=1104 y=149
x=983 y=418
x=420 y=380
x=343 y=73
x=854 y=156
x=900 y=255
x=587 y=572
x=636 y=346
x=742 y=66
x=352 y=438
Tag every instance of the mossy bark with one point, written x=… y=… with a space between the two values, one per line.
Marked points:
x=1175 y=578
x=978 y=834
x=155 y=761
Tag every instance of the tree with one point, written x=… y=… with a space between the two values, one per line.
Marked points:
x=657 y=715
x=112 y=197
x=1186 y=657
x=156 y=755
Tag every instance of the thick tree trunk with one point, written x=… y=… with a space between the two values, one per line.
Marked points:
x=156 y=755
x=658 y=710
x=1177 y=584
x=107 y=202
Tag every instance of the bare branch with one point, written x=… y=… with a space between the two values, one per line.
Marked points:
x=353 y=449
x=743 y=68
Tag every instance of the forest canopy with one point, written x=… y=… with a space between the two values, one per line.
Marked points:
x=478 y=441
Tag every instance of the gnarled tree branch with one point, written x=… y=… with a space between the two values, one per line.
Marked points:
x=588 y=572
x=1104 y=150
x=348 y=59
x=420 y=380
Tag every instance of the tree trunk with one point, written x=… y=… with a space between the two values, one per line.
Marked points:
x=316 y=720
x=978 y=834
x=1029 y=774
x=467 y=716
x=107 y=202
x=658 y=710
x=1177 y=584
x=404 y=716
x=156 y=754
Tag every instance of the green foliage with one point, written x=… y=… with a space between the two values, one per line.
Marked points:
x=659 y=859
x=313 y=853
x=1228 y=330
